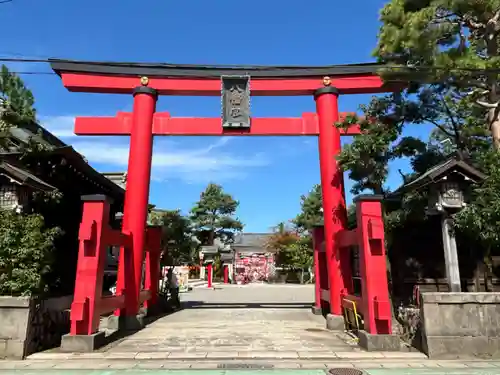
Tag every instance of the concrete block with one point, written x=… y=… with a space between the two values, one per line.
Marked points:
x=317 y=310
x=82 y=343
x=446 y=347
x=15 y=349
x=460 y=325
x=3 y=347
x=384 y=343
x=126 y=323
x=335 y=322
x=113 y=323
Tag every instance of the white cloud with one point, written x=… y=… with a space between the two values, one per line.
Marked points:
x=60 y=126
x=171 y=159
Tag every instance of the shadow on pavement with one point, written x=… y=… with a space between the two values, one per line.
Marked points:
x=116 y=337
x=245 y=305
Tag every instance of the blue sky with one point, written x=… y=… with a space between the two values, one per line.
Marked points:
x=267 y=175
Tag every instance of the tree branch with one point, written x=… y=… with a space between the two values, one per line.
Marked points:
x=472 y=24
x=440 y=127
x=494 y=20
x=487 y=105
x=452 y=118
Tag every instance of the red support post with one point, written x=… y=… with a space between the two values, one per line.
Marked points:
x=226 y=274
x=153 y=271
x=334 y=209
x=137 y=193
x=209 y=276
x=375 y=292
x=90 y=267
x=318 y=236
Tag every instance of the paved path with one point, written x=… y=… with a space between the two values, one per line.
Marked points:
x=243 y=321
x=265 y=327
x=156 y=367
x=232 y=324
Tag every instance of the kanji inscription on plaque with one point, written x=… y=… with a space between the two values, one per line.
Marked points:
x=235 y=101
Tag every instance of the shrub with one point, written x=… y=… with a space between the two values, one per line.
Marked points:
x=26 y=253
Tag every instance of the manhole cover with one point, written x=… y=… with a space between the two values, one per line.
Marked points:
x=345 y=371
x=314 y=330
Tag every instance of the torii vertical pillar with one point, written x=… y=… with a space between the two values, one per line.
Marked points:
x=209 y=275
x=226 y=273
x=137 y=192
x=334 y=209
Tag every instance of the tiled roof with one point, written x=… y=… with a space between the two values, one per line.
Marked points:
x=251 y=239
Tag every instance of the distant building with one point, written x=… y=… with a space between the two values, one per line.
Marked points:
x=253 y=261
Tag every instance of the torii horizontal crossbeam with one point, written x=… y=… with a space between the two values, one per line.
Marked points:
x=163 y=124
x=78 y=82
x=192 y=80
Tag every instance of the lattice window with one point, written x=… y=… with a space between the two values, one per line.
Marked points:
x=8 y=197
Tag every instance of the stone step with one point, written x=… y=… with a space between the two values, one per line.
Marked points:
x=234 y=349
x=230 y=356
x=382 y=366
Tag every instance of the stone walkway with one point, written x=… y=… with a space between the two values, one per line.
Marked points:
x=275 y=367
x=245 y=321
x=229 y=322
x=248 y=327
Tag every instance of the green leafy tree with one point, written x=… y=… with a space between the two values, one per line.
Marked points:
x=26 y=253
x=367 y=158
x=426 y=40
x=27 y=262
x=453 y=43
x=292 y=249
x=283 y=236
x=311 y=210
x=479 y=220
x=446 y=54
x=178 y=244
x=16 y=105
x=214 y=214
x=299 y=255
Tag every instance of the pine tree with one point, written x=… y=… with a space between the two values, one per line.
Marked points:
x=214 y=215
x=311 y=210
x=16 y=105
x=454 y=43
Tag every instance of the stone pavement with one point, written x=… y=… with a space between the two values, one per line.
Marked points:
x=153 y=367
x=256 y=321
x=239 y=327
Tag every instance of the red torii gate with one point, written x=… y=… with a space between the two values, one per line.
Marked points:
x=146 y=81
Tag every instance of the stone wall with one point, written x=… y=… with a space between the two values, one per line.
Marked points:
x=460 y=324
x=29 y=325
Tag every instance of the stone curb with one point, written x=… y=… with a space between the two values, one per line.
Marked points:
x=249 y=365
x=232 y=356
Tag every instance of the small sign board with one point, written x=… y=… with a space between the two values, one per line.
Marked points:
x=209 y=250
x=235 y=101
